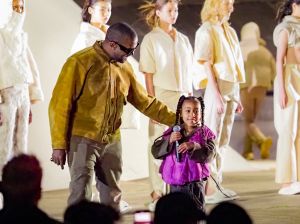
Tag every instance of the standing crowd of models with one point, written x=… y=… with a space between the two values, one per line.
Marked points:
x=97 y=81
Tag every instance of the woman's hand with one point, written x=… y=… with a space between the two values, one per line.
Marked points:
x=220 y=104
x=239 y=108
x=283 y=99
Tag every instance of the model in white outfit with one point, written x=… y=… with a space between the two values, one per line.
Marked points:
x=217 y=49
x=19 y=85
x=287 y=98
x=95 y=30
x=166 y=60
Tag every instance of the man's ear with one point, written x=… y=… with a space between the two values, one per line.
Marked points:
x=112 y=45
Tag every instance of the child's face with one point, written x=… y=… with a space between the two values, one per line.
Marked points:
x=100 y=12
x=191 y=113
x=168 y=13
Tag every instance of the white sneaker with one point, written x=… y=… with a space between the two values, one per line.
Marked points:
x=219 y=197
x=124 y=207
x=229 y=192
x=152 y=205
x=294 y=188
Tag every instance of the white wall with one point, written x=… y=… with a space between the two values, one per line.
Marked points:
x=52 y=27
x=4 y=11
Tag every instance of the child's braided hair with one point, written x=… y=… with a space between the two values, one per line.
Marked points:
x=181 y=100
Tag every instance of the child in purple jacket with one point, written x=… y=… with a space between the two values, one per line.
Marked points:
x=178 y=169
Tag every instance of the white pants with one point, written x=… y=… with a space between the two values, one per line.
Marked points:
x=170 y=98
x=287 y=125
x=14 y=111
x=220 y=124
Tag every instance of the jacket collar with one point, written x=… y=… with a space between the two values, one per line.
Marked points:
x=292 y=19
x=100 y=51
x=92 y=30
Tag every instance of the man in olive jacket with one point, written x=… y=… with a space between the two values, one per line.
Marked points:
x=85 y=113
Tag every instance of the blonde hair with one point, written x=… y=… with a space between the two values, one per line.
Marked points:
x=148 y=10
x=211 y=11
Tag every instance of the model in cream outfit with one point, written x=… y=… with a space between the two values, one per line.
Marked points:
x=287 y=99
x=166 y=60
x=217 y=49
x=19 y=85
x=260 y=73
x=95 y=30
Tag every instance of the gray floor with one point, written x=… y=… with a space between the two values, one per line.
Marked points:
x=257 y=191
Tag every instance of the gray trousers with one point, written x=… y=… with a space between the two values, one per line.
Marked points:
x=86 y=157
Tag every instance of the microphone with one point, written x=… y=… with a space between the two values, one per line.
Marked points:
x=177 y=128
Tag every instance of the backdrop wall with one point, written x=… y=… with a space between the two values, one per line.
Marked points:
x=52 y=27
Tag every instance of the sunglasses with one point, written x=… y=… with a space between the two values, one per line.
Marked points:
x=128 y=51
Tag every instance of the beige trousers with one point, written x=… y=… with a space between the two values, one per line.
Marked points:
x=252 y=101
x=86 y=157
x=14 y=111
x=220 y=124
x=170 y=98
x=287 y=125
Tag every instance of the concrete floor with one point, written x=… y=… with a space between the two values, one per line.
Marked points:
x=257 y=190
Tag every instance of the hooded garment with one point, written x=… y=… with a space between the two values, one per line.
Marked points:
x=17 y=65
x=250 y=37
x=259 y=61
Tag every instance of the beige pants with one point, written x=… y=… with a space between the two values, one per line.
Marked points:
x=220 y=124
x=287 y=125
x=252 y=101
x=170 y=98
x=14 y=111
x=86 y=157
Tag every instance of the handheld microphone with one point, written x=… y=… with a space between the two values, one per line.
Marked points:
x=177 y=128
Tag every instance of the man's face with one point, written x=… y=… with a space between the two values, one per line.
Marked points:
x=18 y=6
x=123 y=49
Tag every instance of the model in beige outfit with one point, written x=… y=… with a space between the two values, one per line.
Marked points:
x=217 y=49
x=287 y=98
x=260 y=72
x=166 y=60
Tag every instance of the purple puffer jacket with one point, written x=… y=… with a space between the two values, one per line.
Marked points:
x=187 y=170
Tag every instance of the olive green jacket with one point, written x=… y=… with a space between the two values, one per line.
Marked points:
x=89 y=96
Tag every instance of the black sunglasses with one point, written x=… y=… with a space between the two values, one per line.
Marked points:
x=128 y=51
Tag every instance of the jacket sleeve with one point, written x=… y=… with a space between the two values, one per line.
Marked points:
x=35 y=89
x=149 y=105
x=65 y=93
